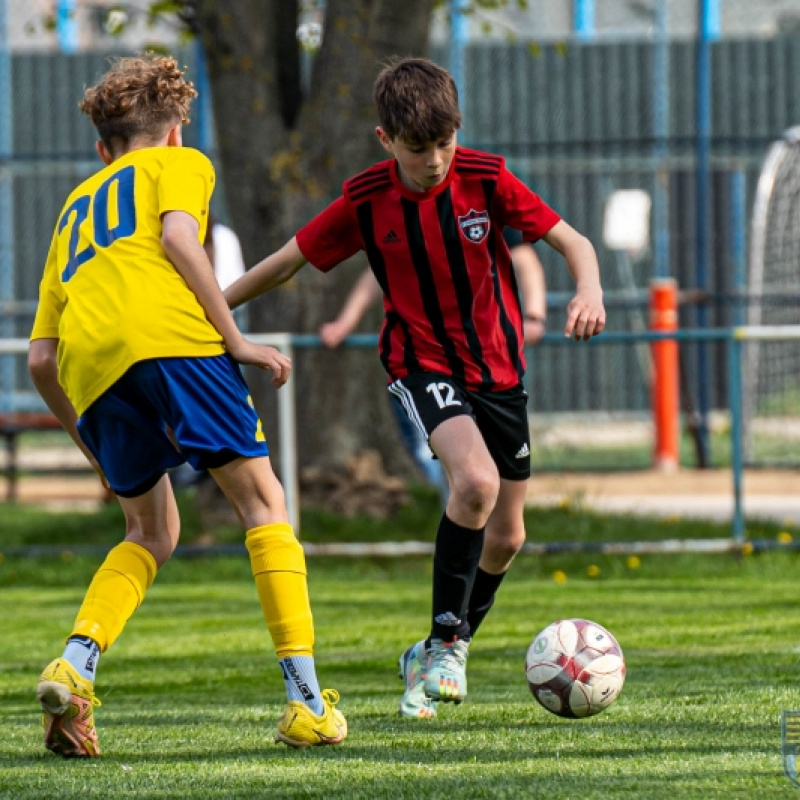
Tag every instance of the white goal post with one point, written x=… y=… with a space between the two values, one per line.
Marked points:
x=771 y=373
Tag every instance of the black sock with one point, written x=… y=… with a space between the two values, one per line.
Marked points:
x=482 y=597
x=455 y=560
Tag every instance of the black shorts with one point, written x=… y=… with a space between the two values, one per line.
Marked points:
x=430 y=398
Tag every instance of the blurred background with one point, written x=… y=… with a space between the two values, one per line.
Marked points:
x=645 y=123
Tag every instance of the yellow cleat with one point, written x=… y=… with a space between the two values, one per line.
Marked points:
x=67 y=711
x=300 y=727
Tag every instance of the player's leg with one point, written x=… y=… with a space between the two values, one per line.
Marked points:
x=474 y=485
x=504 y=537
x=134 y=453
x=217 y=427
x=503 y=420
x=436 y=666
x=279 y=570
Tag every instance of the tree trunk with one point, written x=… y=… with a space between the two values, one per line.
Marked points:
x=283 y=160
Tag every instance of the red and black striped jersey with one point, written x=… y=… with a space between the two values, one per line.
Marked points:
x=450 y=295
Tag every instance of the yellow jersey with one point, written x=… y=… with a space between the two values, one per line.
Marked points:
x=109 y=293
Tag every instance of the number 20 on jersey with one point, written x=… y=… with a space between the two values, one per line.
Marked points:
x=98 y=206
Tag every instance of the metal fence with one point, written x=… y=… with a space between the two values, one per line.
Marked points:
x=733 y=341
x=579 y=112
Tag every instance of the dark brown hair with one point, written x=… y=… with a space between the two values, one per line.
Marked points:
x=417 y=100
x=140 y=96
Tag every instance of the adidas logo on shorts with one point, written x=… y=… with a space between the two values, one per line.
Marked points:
x=523 y=452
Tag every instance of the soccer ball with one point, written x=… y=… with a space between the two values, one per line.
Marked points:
x=575 y=668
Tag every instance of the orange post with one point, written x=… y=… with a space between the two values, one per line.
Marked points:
x=666 y=406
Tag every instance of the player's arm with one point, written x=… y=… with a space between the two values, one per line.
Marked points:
x=43 y=369
x=179 y=239
x=586 y=315
x=532 y=290
x=267 y=274
x=366 y=291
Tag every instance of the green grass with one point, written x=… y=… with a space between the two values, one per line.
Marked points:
x=191 y=693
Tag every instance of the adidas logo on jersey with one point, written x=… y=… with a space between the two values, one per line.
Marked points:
x=391 y=238
x=523 y=452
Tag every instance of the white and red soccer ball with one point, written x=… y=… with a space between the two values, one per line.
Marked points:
x=575 y=668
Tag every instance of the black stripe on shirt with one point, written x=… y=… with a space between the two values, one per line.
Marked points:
x=378 y=266
x=460 y=276
x=427 y=285
x=505 y=323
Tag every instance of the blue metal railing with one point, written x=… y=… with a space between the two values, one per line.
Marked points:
x=734 y=339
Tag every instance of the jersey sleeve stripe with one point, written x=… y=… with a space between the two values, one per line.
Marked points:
x=360 y=194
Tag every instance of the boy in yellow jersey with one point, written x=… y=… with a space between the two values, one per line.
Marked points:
x=135 y=351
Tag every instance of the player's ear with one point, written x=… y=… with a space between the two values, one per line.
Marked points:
x=105 y=154
x=384 y=139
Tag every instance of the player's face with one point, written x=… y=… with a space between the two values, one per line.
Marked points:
x=422 y=165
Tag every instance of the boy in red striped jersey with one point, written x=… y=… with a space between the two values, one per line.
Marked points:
x=430 y=220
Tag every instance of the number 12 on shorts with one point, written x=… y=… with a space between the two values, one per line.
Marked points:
x=443 y=393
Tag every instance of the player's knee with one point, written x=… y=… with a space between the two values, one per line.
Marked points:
x=510 y=545
x=477 y=489
x=159 y=537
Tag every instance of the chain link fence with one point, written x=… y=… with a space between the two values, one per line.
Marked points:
x=679 y=100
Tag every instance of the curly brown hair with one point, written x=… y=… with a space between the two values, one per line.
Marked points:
x=141 y=96
x=417 y=100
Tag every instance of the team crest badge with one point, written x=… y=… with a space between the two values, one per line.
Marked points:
x=790 y=743
x=475 y=226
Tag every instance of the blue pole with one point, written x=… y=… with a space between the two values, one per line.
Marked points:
x=583 y=12
x=661 y=135
x=738 y=241
x=459 y=34
x=7 y=327
x=66 y=27
x=708 y=30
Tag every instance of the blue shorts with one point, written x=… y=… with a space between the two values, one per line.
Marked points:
x=165 y=411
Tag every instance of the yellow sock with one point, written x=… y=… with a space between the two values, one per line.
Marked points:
x=116 y=591
x=279 y=569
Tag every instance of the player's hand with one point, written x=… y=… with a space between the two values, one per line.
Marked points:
x=332 y=334
x=586 y=315
x=257 y=355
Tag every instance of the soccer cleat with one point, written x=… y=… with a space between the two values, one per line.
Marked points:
x=68 y=717
x=415 y=703
x=446 y=678
x=300 y=727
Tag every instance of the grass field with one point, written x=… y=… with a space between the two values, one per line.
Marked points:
x=191 y=693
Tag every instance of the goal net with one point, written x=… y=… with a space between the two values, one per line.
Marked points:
x=772 y=368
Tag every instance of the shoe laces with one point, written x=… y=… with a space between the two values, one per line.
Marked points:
x=449 y=655
x=330 y=696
